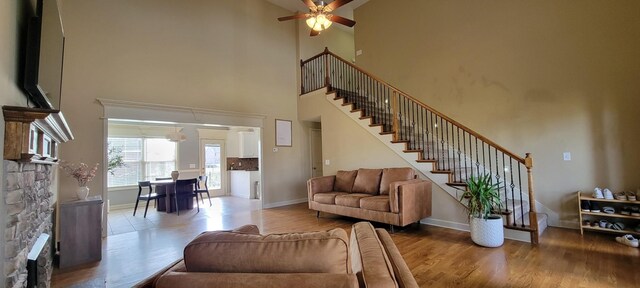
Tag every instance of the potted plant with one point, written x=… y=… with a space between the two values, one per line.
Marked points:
x=482 y=197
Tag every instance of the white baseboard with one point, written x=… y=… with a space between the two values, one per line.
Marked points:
x=284 y=203
x=122 y=206
x=446 y=224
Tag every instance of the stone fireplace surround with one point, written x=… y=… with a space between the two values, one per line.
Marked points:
x=29 y=203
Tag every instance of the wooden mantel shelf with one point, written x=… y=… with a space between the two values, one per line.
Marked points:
x=33 y=134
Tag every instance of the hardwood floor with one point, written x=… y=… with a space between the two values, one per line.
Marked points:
x=438 y=257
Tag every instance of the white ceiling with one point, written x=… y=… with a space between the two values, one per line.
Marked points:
x=297 y=5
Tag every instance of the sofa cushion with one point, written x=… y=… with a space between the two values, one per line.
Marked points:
x=344 y=181
x=377 y=203
x=230 y=252
x=351 y=200
x=327 y=198
x=367 y=181
x=390 y=175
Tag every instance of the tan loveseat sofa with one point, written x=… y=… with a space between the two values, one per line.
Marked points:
x=389 y=195
x=244 y=258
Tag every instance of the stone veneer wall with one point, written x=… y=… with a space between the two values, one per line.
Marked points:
x=29 y=208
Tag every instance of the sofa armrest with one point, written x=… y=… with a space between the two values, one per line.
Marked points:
x=412 y=199
x=150 y=282
x=319 y=185
x=266 y=280
x=403 y=275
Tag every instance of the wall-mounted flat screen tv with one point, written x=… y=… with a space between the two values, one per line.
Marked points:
x=45 y=56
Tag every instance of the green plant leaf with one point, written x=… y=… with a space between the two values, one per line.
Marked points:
x=481 y=196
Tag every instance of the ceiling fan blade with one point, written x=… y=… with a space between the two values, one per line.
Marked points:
x=309 y=3
x=297 y=16
x=314 y=33
x=335 y=4
x=342 y=20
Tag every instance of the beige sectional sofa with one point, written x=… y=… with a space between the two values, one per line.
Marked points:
x=390 y=195
x=244 y=258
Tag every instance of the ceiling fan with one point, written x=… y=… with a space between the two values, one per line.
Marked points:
x=319 y=17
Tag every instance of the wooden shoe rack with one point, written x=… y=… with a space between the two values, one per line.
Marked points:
x=630 y=221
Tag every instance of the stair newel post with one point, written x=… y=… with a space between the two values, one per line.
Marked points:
x=327 y=81
x=533 y=217
x=394 y=113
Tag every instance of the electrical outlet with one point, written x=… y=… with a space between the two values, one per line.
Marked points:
x=191 y=166
x=359 y=52
x=327 y=162
x=566 y=156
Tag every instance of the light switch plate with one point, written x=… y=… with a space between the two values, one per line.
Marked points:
x=191 y=166
x=327 y=162
x=275 y=149
x=566 y=156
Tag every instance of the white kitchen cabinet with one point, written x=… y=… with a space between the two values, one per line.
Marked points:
x=240 y=181
x=248 y=144
x=243 y=183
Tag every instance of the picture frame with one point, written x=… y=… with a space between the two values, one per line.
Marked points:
x=283 y=133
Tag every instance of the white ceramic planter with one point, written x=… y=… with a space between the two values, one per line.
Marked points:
x=487 y=232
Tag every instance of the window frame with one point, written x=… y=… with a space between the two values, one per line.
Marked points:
x=142 y=162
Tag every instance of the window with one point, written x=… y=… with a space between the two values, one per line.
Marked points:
x=144 y=158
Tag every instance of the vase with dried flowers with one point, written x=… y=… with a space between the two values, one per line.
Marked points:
x=83 y=174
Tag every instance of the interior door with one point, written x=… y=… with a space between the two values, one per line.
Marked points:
x=213 y=164
x=316 y=152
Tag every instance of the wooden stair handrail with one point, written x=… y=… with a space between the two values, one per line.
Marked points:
x=441 y=115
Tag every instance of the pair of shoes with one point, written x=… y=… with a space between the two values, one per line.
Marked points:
x=617 y=226
x=586 y=223
x=595 y=207
x=635 y=211
x=628 y=240
x=597 y=193
x=630 y=196
x=585 y=206
x=608 y=210
x=607 y=194
x=621 y=196
x=625 y=210
x=603 y=223
x=595 y=224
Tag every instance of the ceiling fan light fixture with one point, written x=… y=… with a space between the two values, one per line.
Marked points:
x=318 y=22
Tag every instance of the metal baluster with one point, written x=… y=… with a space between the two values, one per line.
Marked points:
x=520 y=187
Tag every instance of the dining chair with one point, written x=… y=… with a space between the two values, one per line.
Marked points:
x=203 y=179
x=146 y=197
x=185 y=189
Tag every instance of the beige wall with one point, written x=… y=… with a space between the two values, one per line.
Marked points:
x=337 y=39
x=535 y=76
x=223 y=55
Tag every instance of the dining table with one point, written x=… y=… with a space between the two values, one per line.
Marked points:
x=168 y=203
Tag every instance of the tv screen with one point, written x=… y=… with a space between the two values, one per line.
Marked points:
x=45 y=56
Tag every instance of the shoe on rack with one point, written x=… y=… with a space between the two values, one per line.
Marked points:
x=585 y=206
x=608 y=210
x=586 y=223
x=628 y=240
x=625 y=210
x=621 y=196
x=595 y=207
x=603 y=223
x=597 y=193
x=607 y=194
x=631 y=196
x=635 y=211
x=617 y=226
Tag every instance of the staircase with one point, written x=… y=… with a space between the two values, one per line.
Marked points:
x=446 y=151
